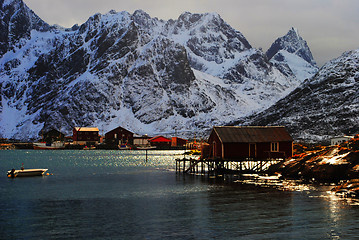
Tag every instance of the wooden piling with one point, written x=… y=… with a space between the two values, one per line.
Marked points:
x=220 y=166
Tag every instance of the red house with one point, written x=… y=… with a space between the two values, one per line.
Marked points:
x=85 y=135
x=160 y=141
x=250 y=142
x=178 y=142
x=119 y=135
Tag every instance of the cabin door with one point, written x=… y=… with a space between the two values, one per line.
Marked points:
x=214 y=150
x=252 y=150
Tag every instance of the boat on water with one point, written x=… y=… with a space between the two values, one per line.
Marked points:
x=26 y=172
x=49 y=146
x=124 y=147
x=89 y=148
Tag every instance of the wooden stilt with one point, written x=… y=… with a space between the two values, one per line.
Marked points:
x=219 y=167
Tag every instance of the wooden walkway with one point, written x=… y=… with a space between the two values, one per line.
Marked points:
x=224 y=166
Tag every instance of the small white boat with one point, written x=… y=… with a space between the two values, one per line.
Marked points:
x=47 y=146
x=26 y=172
x=274 y=177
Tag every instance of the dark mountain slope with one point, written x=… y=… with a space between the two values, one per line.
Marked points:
x=325 y=106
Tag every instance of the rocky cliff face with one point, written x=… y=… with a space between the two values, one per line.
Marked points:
x=325 y=106
x=147 y=75
x=16 y=23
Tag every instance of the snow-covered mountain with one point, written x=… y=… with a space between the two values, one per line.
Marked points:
x=325 y=106
x=145 y=74
x=292 y=56
x=16 y=23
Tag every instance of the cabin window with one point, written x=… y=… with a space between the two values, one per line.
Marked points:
x=274 y=147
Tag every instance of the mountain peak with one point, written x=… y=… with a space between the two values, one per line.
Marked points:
x=292 y=56
x=17 y=21
x=141 y=13
x=294 y=30
x=192 y=19
x=293 y=43
x=208 y=27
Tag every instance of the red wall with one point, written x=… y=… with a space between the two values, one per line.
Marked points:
x=91 y=136
x=262 y=150
x=215 y=146
x=176 y=141
x=242 y=150
x=122 y=134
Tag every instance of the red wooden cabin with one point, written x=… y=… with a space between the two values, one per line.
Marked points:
x=119 y=135
x=270 y=142
x=85 y=135
x=178 y=142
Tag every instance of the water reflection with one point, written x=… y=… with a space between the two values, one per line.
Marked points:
x=275 y=182
x=329 y=218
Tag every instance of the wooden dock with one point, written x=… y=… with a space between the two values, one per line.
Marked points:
x=224 y=166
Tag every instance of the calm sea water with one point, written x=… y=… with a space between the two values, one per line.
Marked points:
x=117 y=195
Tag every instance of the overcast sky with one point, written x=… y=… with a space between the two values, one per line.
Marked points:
x=330 y=27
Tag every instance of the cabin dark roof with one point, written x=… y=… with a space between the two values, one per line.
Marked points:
x=251 y=134
x=119 y=129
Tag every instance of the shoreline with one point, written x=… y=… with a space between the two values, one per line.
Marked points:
x=29 y=146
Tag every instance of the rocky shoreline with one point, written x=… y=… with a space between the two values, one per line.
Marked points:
x=325 y=164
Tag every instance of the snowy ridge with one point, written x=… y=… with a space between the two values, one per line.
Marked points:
x=212 y=45
x=147 y=75
x=322 y=107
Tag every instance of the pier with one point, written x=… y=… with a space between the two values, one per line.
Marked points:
x=239 y=150
x=224 y=166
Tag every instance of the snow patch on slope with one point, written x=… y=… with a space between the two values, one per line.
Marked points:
x=300 y=68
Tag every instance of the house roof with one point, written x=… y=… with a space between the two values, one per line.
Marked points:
x=141 y=136
x=159 y=139
x=86 y=129
x=53 y=131
x=252 y=134
x=119 y=129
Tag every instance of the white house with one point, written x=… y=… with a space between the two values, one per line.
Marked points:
x=340 y=140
